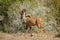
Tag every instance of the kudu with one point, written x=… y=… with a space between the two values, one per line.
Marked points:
x=31 y=21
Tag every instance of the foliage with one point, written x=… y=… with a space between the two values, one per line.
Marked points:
x=48 y=10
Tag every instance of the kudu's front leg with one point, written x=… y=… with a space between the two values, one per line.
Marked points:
x=30 y=31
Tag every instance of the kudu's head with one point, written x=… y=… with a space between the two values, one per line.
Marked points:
x=23 y=13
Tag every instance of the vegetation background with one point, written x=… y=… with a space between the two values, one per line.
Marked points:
x=49 y=10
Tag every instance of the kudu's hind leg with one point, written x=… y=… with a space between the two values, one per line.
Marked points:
x=40 y=26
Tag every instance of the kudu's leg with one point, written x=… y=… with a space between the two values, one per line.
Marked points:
x=30 y=31
x=26 y=27
x=40 y=25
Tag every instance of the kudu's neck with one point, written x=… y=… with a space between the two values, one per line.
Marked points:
x=24 y=15
x=24 y=18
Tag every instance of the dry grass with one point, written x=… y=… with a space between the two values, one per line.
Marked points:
x=26 y=36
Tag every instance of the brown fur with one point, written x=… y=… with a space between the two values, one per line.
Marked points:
x=32 y=21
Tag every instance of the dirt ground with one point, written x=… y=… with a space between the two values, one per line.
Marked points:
x=27 y=36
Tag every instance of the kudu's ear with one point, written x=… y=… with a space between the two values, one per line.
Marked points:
x=21 y=12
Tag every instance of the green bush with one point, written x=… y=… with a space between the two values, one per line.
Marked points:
x=38 y=8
